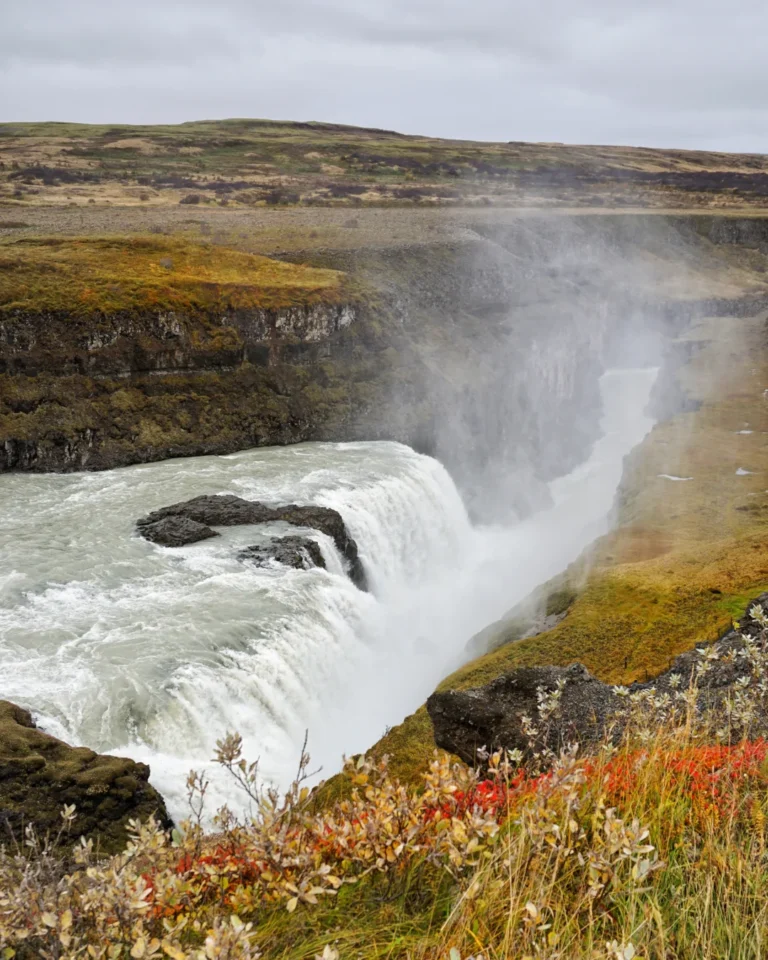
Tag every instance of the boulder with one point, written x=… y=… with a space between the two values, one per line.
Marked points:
x=491 y=716
x=40 y=774
x=302 y=553
x=214 y=511
x=176 y=531
x=228 y=511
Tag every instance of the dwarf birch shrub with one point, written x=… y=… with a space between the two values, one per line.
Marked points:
x=190 y=895
x=653 y=846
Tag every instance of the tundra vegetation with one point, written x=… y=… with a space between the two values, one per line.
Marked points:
x=651 y=844
x=262 y=163
x=96 y=278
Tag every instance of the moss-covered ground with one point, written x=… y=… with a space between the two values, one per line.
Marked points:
x=89 y=275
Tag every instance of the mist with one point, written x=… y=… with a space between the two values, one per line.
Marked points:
x=534 y=358
x=522 y=319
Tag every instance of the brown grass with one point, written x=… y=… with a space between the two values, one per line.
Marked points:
x=258 y=162
x=111 y=275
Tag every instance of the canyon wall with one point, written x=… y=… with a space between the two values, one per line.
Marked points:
x=483 y=350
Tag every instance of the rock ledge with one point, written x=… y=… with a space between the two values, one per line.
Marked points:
x=491 y=716
x=228 y=511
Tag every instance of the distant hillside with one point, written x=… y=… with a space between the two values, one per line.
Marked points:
x=266 y=163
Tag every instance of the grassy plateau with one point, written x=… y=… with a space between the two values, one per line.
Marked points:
x=268 y=163
x=114 y=275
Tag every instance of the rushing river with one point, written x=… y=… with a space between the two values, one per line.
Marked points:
x=154 y=653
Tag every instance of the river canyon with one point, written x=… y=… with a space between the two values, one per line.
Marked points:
x=469 y=417
x=156 y=653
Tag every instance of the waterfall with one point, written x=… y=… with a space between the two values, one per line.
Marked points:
x=136 y=649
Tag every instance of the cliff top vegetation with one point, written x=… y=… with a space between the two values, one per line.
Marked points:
x=248 y=162
x=96 y=276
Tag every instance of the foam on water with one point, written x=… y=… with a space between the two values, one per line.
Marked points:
x=155 y=653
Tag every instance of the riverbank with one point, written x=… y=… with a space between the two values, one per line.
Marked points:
x=686 y=554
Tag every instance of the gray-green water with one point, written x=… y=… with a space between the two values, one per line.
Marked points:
x=155 y=653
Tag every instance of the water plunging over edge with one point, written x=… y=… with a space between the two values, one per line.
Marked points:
x=152 y=653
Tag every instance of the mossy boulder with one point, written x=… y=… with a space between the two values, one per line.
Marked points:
x=39 y=775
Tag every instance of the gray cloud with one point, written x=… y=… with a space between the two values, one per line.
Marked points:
x=659 y=72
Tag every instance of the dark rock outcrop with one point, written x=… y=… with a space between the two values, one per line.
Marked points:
x=229 y=511
x=299 y=552
x=176 y=531
x=492 y=716
x=40 y=774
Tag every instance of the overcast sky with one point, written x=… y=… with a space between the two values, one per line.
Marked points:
x=688 y=73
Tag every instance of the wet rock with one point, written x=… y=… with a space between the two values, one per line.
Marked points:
x=302 y=553
x=538 y=613
x=176 y=531
x=492 y=716
x=217 y=511
x=40 y=774
x=227 y=511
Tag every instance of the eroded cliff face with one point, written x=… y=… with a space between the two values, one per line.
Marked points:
x=126 y=344
x=484 y=351
x=91 y=393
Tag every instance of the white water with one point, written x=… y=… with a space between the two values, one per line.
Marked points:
x=155 y=653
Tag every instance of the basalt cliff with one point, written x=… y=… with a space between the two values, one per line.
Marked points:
x=476 y=347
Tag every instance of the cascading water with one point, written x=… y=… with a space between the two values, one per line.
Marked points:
x=155 y=653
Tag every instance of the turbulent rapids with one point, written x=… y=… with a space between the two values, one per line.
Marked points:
x=154 y=653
